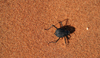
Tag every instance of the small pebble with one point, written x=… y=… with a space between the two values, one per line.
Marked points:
x=87 y=28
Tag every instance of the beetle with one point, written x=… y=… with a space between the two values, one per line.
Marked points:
x=60 y=32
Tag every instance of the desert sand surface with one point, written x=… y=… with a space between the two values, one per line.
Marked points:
x=23 y=24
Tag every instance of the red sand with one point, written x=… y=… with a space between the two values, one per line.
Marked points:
x=22 y=25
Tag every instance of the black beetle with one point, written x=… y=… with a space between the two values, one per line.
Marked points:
x=60 y=32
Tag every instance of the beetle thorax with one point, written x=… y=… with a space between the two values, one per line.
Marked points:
x=60 y=32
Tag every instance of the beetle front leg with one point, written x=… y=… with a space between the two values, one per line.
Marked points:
x=51 y=26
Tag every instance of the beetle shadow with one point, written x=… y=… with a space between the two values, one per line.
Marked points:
x=69 y=28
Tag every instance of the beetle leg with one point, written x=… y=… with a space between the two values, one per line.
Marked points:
x=61 y=25
x=65 y=40
x=66 y=21
x=69 y=35
x=55 y=41
x=51 y=26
